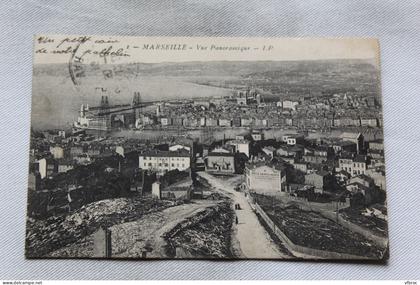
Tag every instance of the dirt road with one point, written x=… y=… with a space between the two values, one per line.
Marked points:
x=130 y=239
x=253 y=239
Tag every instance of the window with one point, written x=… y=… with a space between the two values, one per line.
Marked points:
x=145 y=164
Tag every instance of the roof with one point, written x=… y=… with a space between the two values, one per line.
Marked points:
x=352 y=136
x=322 y=173
x=258 y=164
x=156 y=153
x=319 y=173
x=343 y=143
x=363 y=177
x=186 y=182
x=377 y=141
x=359 y=185
x=221 y=154
x=360 y=158
x=238 y=142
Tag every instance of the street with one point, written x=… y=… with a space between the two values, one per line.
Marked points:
x=253 y=239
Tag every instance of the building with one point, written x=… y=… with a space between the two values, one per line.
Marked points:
x=156 y=191
x=290 y=105
x=376 y=145
x=165 y=121
x=34 y=181
x=317 y=159
x=164 y=161
x=269 y=150
x=76 y=150
x=344 y=146
x=378 y=176
x=202 y=121
x=356 y=138
x=321 y=180
x=241 y=146
x=120 y=150
x=362 y=179
x=362 y=185
x=211 y=122
x=301 y=166
x=257 y=135
x=46 y=167
x=57 y=152
x=218 y=162
x=342 y=177
x=246 y=122
x=180 y=190
x=369 y=122
x=287 y=150
x=355 y=166
x=267 y=179
x=293 y=139
x=178 y=147
x=323 y=151
x=65 y=165
x=62 y=133
x=360 y=163
x=225 y=122
x=94 y=150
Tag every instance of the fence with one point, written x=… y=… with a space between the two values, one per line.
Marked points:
x=298 y=249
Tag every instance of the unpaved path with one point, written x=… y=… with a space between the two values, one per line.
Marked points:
x=254 y=241
x=130 y=239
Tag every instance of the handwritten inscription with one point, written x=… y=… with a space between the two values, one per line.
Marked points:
x=108 y=47
x=70 y=45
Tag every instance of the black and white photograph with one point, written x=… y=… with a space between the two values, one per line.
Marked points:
x=206 y=148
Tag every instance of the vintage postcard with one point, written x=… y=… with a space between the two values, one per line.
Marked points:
x=206 y=148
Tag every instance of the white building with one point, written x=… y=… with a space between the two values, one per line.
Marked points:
x=57 y=152
x=42 y=167
x=156 y=191
x=290 y=105
x=225 y=123
x=120 y=150
x=356 y=138
x=265 y=179
x=354 y=166
x=164 y=161
x=62 y=133
x=293 y=139
x=165 y=121
x=240 y=146
x=46 y=167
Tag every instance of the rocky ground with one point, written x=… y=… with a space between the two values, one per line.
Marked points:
x=148 y=233
x=205 y=235
x=45 y=237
